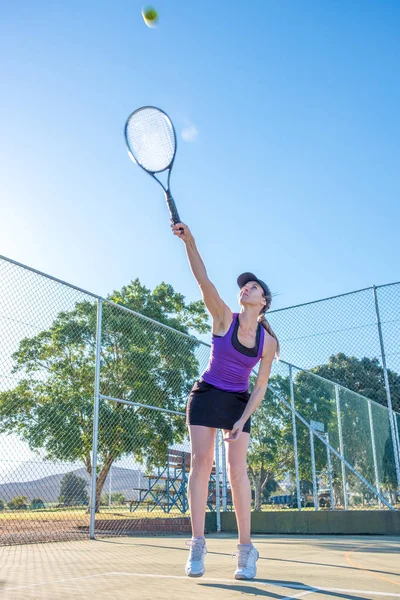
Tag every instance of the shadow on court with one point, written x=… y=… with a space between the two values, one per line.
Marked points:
x=240 y=589
x=268 y=594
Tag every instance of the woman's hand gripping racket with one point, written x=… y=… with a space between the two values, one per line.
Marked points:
x=151 y=142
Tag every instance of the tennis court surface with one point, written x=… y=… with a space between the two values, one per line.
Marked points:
x=316 y=567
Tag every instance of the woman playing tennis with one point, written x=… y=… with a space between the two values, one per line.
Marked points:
x=220 y=400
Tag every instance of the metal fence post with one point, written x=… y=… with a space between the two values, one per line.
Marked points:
x=95 y=420
x=371 y=427
x=328 y=454
x=332 y=449
x=110 y=487
x=314 y=473
x=217 y=483
x=296 y=455
x=387 y=386
x=224 y=479
x=339 y=417
x=396 y=429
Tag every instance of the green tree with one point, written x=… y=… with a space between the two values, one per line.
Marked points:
x=116 y=498
x=364 y=376
x=271 y=446
x=73 y=489
x=18 y=503
x=2 y=506
x=315 y=399
x=51 y=407
x=37 y=503
x=270 y=488
x=271 y=451
x=388 y=476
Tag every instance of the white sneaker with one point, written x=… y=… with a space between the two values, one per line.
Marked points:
x=195 y=563
x=247 y=557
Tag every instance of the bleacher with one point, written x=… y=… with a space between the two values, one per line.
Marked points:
x=167 y=487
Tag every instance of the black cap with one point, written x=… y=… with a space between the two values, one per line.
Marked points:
x=246 y=277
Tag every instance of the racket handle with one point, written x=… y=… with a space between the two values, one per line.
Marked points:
x=172 y=207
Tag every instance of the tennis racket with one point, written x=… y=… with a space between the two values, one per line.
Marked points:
x=151 y=143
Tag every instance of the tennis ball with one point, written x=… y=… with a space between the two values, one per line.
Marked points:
x=150 y=16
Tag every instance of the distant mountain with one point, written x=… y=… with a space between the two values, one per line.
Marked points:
x=37 y=468
x=48 y=488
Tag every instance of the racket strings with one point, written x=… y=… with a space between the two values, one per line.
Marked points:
x=151 y=139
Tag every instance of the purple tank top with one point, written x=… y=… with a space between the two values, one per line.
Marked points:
x=229 y=368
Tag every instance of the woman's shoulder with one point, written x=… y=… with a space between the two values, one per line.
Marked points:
x=270 y=344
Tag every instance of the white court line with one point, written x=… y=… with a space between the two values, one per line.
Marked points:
x=294 y=586
x=52 y=581
x=307 y=589
x=299 y=595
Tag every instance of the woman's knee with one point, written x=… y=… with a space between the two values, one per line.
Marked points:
x=237 y=472
x=202 y=461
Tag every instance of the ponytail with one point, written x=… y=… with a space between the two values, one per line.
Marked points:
x=261 y=319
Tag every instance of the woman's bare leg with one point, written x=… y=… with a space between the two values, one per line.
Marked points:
x=202 y=441
x=236 y=453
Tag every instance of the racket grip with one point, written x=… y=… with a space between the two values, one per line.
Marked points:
x=172 y=207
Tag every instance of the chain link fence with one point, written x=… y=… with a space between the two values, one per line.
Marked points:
x=146 y=373
x=358 y=428
x=340 y=337
x=49 y=336
x=93 y=438
x=46 y=406
x=352 y=340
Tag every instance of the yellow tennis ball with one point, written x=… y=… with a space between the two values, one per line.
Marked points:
x=150 y=16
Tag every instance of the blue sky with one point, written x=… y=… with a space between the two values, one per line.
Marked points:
x=293 y=173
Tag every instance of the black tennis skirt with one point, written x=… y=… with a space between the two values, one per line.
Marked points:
x=212 y=407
